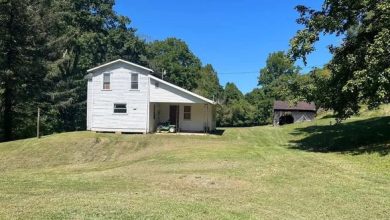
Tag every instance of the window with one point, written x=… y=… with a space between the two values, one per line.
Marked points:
x=156 y=84
x=134 y=81
x=106 y=81
x=187 y=112
x=120 y=108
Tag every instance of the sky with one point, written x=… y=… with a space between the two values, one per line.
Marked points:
x=236 y=37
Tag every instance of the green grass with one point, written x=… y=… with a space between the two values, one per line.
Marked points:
x=302 y=171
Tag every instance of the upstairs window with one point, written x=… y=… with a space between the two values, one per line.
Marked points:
x=106 y=81
x=187 y=112
x=120 y=108
x=134 y=81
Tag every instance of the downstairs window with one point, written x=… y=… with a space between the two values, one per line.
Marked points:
x=120 y=108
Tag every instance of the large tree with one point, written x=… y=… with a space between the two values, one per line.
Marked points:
x=22 y=69
x=275 y=78
x=262 y=104
x=313 y=87
x=276 y=81
x=360 y=68
x=234 y=110
x=208 y=83
x=174 y=56
x=83 y=34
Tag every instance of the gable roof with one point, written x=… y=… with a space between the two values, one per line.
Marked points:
x=183 y=90
x=119 y=61
x=300 y=106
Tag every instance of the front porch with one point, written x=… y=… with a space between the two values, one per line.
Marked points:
x=187 y=117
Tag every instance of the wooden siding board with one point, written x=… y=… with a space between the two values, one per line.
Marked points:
x=139 y=116
x=103 y=101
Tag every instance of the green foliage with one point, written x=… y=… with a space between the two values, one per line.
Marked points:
x=278 y=64
x=232 y=93
x=235 y=110
x=83 y=34
x=22 y=66
x=48 y=45
x=277 y=80
x=263 y=106
x=208 y=83
x=174 y=56
x=313 y=87
x=277 y=77
x=360 y=68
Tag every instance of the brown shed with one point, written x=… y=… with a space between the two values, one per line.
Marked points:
x=285 y=113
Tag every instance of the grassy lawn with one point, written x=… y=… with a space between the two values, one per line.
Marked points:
x=303 y=171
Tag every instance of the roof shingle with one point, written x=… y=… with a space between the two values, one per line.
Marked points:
x=300 y=106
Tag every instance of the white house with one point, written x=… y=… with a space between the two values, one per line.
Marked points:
x=126 y=97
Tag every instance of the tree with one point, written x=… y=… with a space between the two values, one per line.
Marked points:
x=276 y=81
x=208 y=83
x=83 y=34
x=360 y=67
x=21 y=65
x=313 y=87
x=277 y=76
x=262 y=104
x=174 y=56
x=278 y=64
x=235 y=110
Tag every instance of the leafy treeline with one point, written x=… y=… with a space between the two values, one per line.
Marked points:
x=360 y=67
x=277 y=81
x=47 y=46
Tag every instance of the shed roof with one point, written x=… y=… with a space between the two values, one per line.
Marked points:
x=300 y=106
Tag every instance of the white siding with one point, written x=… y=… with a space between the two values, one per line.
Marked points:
x=167 y=94
x=198 y=119
x=140 y=103
x=102 y=112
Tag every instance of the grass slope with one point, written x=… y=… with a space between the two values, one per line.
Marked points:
x=303 y=171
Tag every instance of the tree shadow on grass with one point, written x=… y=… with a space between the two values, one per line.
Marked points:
x=357 y=137
x=218 y=132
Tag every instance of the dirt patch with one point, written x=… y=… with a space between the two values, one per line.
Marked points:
x=207 y=182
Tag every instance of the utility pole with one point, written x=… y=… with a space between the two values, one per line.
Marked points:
x=38 y=118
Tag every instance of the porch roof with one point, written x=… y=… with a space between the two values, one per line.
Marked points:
x=183 y=90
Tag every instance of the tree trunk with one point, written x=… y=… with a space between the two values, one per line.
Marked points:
x=9 y=73
x=8 y=114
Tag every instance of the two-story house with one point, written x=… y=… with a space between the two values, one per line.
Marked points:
x=126 y=97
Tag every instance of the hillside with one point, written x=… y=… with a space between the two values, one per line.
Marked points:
x=309 y=170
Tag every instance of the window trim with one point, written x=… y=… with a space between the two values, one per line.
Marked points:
x=109 y=82
x=131 y=81
x=187 y=112
x=119 y=113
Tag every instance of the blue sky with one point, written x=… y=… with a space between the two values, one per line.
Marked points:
x=234 y=36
